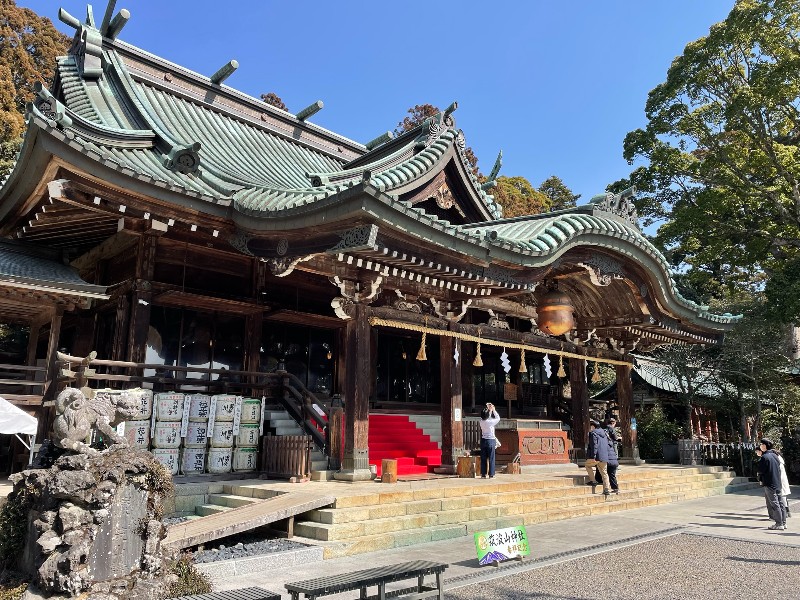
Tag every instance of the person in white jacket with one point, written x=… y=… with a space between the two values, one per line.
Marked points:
x=785 y=489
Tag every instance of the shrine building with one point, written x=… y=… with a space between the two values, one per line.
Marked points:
x=204 y=242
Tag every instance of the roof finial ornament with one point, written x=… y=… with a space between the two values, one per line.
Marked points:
x=381 y=139
x=620 y=205
x=224 y=72
x=490 y=181
x=117 y=23
x=310 y=110
x=68 y=19
x=448 y=119
x=107 y=16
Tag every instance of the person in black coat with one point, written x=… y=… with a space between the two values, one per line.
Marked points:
x=597 y=455
x=769 y=473
x=613 y=464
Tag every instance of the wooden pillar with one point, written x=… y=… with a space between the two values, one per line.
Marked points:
x=84 y=341
x=626 y=412
x=580 y=402
x=341 y=360
x=358 y=348
x=467 y=380
x=141 y=298
x=51 y=375
x=121 y=323
x=253 y=324
x=452 y=423
x=33 y=342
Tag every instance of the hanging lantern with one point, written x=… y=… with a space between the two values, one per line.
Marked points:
x=421 y=354
x=478 y=362
x=523 y=368
x=561 y=372
x=555 y=312
x=595 y=374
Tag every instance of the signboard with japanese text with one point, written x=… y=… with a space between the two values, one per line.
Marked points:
x=502 y=544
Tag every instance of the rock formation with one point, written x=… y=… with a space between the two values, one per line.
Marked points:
x=94 y=525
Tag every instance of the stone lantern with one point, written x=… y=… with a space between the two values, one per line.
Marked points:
x=555 y=312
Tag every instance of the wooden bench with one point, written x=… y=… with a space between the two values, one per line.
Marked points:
x=379 y=576
x=251 y=593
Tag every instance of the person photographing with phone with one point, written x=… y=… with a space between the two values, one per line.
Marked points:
x=489 y=419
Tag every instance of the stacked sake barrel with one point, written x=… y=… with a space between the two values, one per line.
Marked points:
x=245 y=454
x=220 y=454
x=167 y=429
x=193 y=458
x=136 y=430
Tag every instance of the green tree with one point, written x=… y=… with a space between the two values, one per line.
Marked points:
x=274 y=100
x=416 y=116
x=721 y=148
x=29 y=45
x=518 y=197
x=559 y=194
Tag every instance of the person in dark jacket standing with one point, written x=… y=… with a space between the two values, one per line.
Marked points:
x=597 y=455
x=769 y=473
x=613 y=464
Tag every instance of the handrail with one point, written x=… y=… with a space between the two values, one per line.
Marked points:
x=22 y=368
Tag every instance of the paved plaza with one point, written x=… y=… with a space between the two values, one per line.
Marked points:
x=709 y=548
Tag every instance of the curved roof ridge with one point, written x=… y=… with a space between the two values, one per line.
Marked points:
x=494 y=208
x=547 y=237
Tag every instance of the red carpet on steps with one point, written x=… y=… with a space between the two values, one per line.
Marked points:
x=397 y=437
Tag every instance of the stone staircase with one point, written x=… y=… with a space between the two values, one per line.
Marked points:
x=456 y=507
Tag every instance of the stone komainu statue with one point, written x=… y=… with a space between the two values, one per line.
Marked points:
x=79 y=411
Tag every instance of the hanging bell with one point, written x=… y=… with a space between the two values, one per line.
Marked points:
x=523 y=368
x=421 y=354
x=561 y=371
x=478 y=362
x=595 y=374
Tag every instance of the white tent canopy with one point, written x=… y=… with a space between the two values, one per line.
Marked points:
x=15 y=421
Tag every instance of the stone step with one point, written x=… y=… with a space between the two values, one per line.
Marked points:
x=389 y=504
x=229 y=500
x=205 y=510
x=333 y=524
x=407 y=537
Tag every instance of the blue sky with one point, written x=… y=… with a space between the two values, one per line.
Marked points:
x=555 y=84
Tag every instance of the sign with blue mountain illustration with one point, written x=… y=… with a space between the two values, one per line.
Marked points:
x=502 y=544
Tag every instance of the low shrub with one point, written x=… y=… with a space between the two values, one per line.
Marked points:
x=190 y=581
x=653 y=429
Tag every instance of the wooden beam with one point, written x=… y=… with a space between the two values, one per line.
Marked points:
x=121 y=241
x=508 y=307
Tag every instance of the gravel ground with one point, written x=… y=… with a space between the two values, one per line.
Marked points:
x=245 y=547
x=679 y=567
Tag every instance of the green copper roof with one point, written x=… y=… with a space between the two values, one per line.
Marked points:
x=551 y=234
x=155 y=122
x=234 y=158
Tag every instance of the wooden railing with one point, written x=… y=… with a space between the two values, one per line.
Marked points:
x=286 y=456
x=740 y=456
x=22 y=385
x=472 y=435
